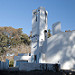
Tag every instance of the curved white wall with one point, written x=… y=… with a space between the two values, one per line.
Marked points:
x=61 y=48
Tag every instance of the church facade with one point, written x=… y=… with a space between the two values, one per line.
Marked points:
x=59 y=48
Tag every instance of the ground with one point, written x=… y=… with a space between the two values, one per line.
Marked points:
x=37 y=72
x=30 y=73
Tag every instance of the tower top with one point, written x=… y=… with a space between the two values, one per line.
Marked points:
x=38 y=9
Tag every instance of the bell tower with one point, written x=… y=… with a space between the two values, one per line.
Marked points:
x=39 y=32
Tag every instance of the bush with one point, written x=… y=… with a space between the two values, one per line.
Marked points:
x=11 y=63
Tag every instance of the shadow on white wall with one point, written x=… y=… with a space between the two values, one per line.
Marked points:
x=61 y=48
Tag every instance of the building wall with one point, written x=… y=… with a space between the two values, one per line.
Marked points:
x=23 y=54
x=34 y=23
x=39 y=27
x=20 y=58
x=61 y=48
x=35 y=34
x=42 y=25
x=34 y=66
x=56 y=28
x=4 y=65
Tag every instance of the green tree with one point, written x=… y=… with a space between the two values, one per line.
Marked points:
x=25 y=39
x=49 y=33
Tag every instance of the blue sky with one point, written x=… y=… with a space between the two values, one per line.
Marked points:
x=18 y=13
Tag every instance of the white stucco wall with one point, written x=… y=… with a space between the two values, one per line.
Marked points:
x=18 y=58
x=4 y=65
x=38 y=29
x=35 y=66
x=23 y=54
x=34 y=23
x=56 y=28
x=0 y=65
x=61 y=48
x=42 y=25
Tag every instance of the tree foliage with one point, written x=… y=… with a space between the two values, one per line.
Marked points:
x=49 y=33
x=11 y=37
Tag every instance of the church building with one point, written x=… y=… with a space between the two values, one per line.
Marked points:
x=59 y=48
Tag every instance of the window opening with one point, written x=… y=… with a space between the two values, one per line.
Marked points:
x=35 y=58
x=45 y=33
x=45 y=16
